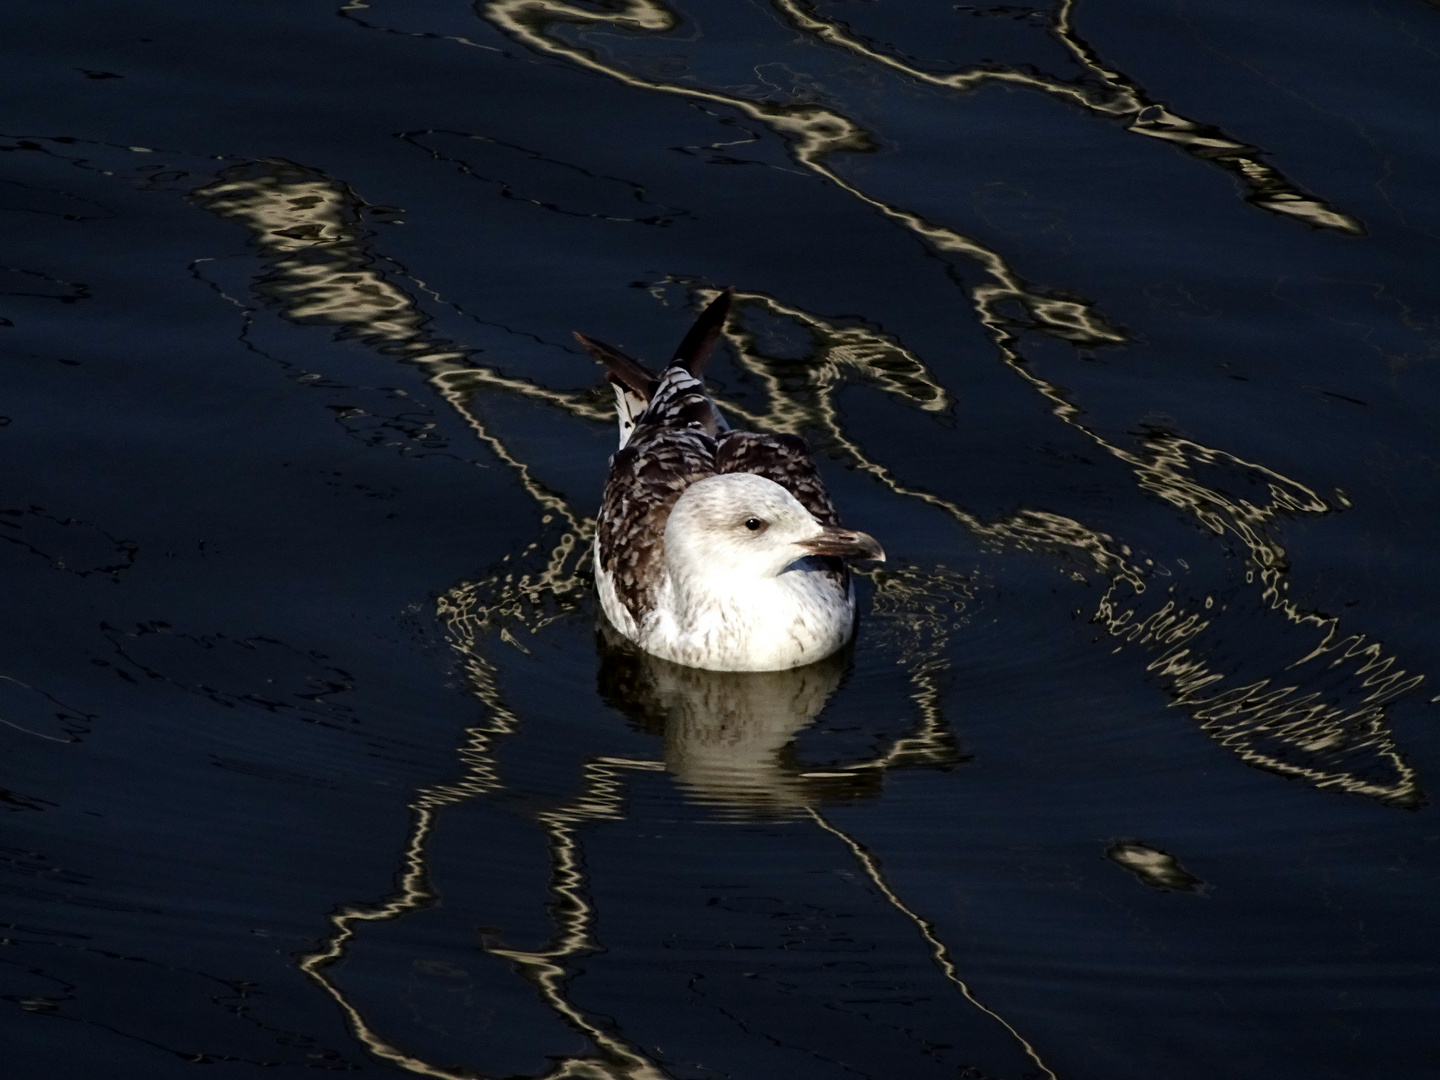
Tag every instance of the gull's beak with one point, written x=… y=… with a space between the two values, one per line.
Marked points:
x=846 y=543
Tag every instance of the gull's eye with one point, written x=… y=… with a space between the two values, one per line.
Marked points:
x=754 y=524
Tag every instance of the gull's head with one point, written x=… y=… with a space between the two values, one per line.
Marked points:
x=743 y=525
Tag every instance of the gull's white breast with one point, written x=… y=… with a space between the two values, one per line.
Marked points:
x=758 y=624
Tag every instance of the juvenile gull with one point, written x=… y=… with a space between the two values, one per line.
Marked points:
x=716 y=549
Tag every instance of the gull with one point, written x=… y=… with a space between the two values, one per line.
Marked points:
x=715 y=548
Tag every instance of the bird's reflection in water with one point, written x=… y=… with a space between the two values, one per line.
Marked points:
x=730 y=735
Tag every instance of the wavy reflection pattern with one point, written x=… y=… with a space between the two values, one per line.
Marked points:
x=1111 y=95
x=319 y=267
x=1275 y=723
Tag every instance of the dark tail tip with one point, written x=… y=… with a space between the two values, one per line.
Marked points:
x=694 y=350
x=624 y=370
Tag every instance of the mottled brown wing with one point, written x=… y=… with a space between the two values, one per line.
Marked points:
x=672 y=448
x=784 y=459
x=679 y=402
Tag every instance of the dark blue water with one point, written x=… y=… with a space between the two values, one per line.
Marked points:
x=1116 y=323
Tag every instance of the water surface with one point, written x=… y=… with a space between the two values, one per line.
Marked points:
x=1114 y=322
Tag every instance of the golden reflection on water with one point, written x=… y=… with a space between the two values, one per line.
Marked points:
x=1243 y=718
x=727 y=744
x=1115 y=97
x=319 y=269
x=813 y=135
x=939 y=952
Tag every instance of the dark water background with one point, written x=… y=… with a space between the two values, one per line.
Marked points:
x=1117 y=323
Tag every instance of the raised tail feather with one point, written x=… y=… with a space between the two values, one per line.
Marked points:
x=694 y=350
x=635 y=384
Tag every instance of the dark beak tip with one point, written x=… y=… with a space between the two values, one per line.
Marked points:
x=846 y=545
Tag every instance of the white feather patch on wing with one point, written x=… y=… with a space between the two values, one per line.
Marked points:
x=628 y=407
